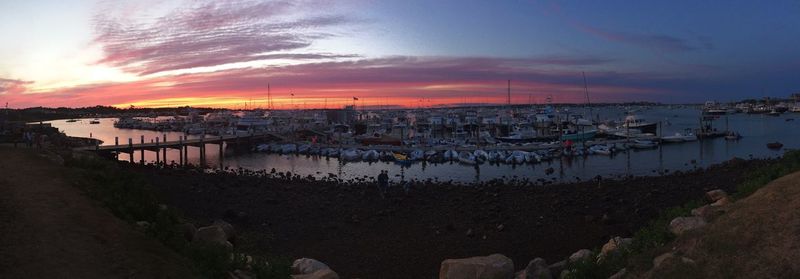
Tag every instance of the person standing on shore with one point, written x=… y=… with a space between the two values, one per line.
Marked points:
x=383 y=183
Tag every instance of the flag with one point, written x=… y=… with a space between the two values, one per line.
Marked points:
x=355 y=99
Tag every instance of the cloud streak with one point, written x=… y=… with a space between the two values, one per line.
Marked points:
x=209 y=33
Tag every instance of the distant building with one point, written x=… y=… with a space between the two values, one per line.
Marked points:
x=341 y=116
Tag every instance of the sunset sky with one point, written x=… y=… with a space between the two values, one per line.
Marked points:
x=155 y=53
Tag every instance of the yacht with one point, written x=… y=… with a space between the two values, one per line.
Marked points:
x=251 y=122
x=634 y=122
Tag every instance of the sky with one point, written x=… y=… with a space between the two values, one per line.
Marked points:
x=325 y=53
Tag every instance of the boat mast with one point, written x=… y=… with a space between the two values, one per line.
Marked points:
x=586 y=90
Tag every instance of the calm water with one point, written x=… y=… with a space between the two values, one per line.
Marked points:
x=756 y=129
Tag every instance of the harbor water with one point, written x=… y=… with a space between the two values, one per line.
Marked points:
x=756 y=129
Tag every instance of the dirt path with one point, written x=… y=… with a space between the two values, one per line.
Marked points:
x=48 y=229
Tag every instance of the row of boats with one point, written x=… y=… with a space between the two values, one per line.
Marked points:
x=467 y=157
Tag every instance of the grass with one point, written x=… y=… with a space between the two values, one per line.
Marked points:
x=131 y=198
x=655 y=235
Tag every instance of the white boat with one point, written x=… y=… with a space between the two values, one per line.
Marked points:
x=450 y=155
x=678 y=137
x=533 y=157
x=350 y=154
x=289 y=148
x=416 y=155
x=480 y=155
x=370 y=155
x=516 y=157
x=465 y=157
x=262 y=147
x=497 y=156
x=644 y=144
x=252 y=122
x=303 y=148
x=635 y=122
x=601 y=149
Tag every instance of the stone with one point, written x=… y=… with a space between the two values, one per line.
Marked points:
x=715 y=195
x=722 y=202
x=670 y=259
x=230 y=233
x=537 y=269
x=495 y=266
x=680 y=225
x=143 y=225
x=556 y=268
x=620 y=274
x=708 y=212
x=188 y=229
x=580 y=255
x=614 y=245
x=319 y=274
x=307 y=266
x=212 y=234
x=661 y=259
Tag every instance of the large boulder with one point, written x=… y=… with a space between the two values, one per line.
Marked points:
x=557 y=267
x=715 y=195
x=495 y=266
x=620 y=274
x=230 y=233
x=614 y=245
x=708 y=212
x=680 y=225
x=536 y=269
x=580 y=255
x=212 y=234
x=319 y=274
x=307 y=266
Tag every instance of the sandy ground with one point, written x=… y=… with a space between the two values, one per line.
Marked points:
x=48 y=229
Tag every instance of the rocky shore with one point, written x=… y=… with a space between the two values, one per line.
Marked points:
x=358 y=233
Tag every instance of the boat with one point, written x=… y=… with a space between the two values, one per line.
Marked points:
x=402 y=159
x=775 y=145
x=304 y=148
x=579 y=136
x=774 y=112
x=350 y=154
x=72 y=120
x=644 y=144
x=712 y=108
x=416 y=155
x=601 y=149
x=252 y=121
x=516 y=157
x=465 y=157
x=370 y=155
x=732 y=136
x=94 y=121
x=480 y=155
x=450 y=155
x=262 y=147
x=635 y=122
x=678 y=137
x=289 y=148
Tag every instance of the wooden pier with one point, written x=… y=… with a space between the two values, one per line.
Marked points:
x=162 y=144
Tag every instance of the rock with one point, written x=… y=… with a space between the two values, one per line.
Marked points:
x=307 y=266
x=556 y=268
x=680 y=225
x=661 y=259
x=212 y=234
x=620 y=274
x=670 y=259
x=143 y=225
x=537 y=269
x=580 y=255
x=188 y=229
x=495 y=266
x=319 y=274
x=564 y=274
x=715 y=195
x=230 y=233
x=708 y=212
x=613 y=246
x=721 y=202
x=240 y=274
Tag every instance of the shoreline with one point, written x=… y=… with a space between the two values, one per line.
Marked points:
x=349 y=226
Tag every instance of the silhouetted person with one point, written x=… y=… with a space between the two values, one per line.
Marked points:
x=383 y=183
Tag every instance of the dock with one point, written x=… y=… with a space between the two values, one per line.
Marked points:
x=160 y=145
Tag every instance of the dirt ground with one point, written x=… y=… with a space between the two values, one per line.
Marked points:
x=48 y=229
x=361 y=235
x=758 y=237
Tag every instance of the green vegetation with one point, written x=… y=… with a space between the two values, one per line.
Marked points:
x=656 y=234
x=129 y=197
